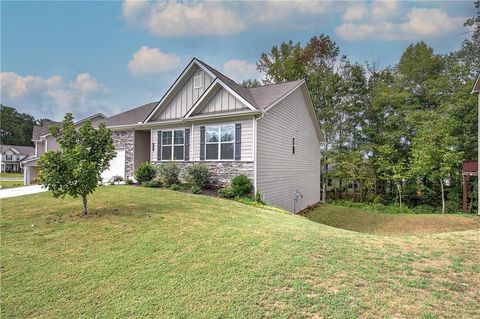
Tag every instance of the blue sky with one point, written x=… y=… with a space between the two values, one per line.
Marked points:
x=89 y=57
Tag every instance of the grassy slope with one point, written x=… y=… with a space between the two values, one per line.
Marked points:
x=156 y=253
x=390 y=224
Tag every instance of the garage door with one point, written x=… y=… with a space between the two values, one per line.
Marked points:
x=117 y=166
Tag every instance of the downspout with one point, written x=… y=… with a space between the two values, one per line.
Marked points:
x=255 y=119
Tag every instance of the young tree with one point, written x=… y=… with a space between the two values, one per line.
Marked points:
x=85 y=154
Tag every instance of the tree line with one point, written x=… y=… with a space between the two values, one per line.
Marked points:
x=16 y=128
x=399 y=132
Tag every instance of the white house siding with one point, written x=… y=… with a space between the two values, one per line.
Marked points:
x=185 y=97
x=222 y=101
x=279 y=172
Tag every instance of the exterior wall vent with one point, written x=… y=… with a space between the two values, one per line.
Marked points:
x=197 y=82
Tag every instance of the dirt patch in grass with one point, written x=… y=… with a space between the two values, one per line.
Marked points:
x=388 y=224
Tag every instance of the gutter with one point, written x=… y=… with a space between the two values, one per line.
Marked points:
x=141 y=125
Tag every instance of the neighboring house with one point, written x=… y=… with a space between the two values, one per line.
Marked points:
x=44 y=141
x=269 y=133
x=12 y=155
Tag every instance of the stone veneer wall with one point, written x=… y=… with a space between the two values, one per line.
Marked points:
x=124 y=139
x=222 y=172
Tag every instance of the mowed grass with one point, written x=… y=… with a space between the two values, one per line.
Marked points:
x=11 y=184
x=11 y=175
x=156 y=253
x=390 y=224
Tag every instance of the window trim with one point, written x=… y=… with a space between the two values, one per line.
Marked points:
x=172 y=146
x=219 y=143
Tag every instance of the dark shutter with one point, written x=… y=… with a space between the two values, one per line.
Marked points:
x=238 y=141
x=202 y=143
x=159 y=146
x=187 y=144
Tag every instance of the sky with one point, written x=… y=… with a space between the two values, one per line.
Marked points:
x=89 y=57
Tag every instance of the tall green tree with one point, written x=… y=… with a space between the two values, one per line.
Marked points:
x=76 y=169
x=435 y=153
x=16 y=128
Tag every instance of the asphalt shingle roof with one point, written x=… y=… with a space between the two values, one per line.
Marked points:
x=23 y=150
x=268 y=94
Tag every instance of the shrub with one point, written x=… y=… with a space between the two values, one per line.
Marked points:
x=154 y=183
x=117 y=179
x=146 y=172
x=129 y=182
x=199 y=175
x=169 y=174
x=226 y=192
x=196 y=190
x=175 y=187
x=241 y=185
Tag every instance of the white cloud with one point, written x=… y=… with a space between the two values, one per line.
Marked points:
x=374 y=21
x=52 y=97
x=151 y=60
x=176 y=19
x=240 y=70
x=355 y=12
x=215 y=18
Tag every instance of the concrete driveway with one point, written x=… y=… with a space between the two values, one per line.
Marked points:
x=20 y=191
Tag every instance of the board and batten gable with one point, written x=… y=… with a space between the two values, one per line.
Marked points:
x=186 y=96
x=222 y=101
x=280 y=172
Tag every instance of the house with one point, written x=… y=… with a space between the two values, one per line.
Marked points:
x=44 y=141
x=269 y=133
x=11 y=157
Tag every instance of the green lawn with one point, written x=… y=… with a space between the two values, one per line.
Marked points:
x=157 y=253
x=11 y=184
x=11 y=175
x=391 y=224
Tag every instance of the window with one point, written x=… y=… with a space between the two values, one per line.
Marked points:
x=173 y=145
x=197 y=82
x=329 y=183
x=220 y=142
x=8 y=157
x=293 y=145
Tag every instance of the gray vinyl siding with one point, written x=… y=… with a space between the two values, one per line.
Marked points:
x=40 y=148
x=142 y=148
x=52 y=144
x=246 y=141
x=279 y=172
x=246 y=145
x=179 y=105
x=222 y=101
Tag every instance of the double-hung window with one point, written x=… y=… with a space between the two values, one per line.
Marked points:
x=173 y=145
x=8 y=157
x=220 y=142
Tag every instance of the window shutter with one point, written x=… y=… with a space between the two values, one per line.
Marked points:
x=238 y=141
x=187 y=144
x=202 y=143
x=159 y=146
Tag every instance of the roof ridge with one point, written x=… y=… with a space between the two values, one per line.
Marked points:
x=271 y=84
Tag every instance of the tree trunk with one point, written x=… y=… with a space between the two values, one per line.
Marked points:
x=85 y=208
x=443 y=195
x=399 y=190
